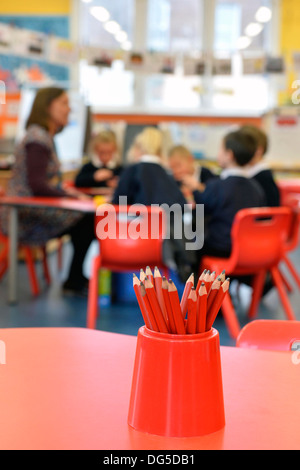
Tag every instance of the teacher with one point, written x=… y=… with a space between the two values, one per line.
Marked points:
x=36 y=172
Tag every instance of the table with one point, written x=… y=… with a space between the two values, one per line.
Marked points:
x=69 y=388
x=15 y=203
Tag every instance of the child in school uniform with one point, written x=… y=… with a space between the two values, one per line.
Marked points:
x=182 y=163
x=223 y=197
x=103 y=170
x=259 y=170
x=147 y=182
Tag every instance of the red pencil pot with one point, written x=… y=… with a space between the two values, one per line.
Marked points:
x=177 y=386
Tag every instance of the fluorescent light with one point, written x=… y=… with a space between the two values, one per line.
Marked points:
x=263 y=14
x=126 y=45
x=253 y=29
x=100 y=13
x=112 y=27
x=243 y=42
x=121 y=36
x=86 y=1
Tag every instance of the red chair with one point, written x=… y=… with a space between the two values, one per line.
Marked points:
x=258 y=239
x=121 y=250
x=29 y=259
x=293 y=201
x=274 y=335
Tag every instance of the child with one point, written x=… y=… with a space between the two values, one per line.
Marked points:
x=147 y=182
x=182 y=163
x=102 y=170
x=259 y=170
x=223 y=197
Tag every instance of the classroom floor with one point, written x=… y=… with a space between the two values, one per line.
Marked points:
x=52 y=309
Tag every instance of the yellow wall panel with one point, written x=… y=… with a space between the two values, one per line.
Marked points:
x=35 y=7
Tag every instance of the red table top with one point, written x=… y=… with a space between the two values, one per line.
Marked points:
x=57 y=202
x=69 y=388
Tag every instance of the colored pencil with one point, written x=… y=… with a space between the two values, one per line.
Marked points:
x=149 y=274
x=213 y=293
x=191 y=326
x=142 y=275
x=169 y=311
x=159 y=317
x=201 y=308
x=184 y=299
x=215 y=308
x=159 y=294
x=148 y=308
x=142 y=305
x=200 y=280
x=176 y=309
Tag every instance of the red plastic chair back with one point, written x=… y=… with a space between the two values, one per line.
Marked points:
x=258 y=237
x=130 y=237
x=275 y=335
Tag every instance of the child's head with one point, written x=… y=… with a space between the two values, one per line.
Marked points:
x=181 y=161
x=148 y=142
x=261 y=139
x=104 y=146
x=238 y=149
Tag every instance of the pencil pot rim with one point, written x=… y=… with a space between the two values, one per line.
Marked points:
x=177 y=388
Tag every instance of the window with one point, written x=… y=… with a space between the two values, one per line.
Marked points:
x=175 y=25
x=231 y=20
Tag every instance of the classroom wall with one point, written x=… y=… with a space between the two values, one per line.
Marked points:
x=289 y=43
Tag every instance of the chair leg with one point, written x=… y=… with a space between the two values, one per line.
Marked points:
x=285 y=282
x=292 y=269
x=31 y=271
x=258 y=285
x=230 y=317
x=282 y=294
x=45 y=265
x=92 y=307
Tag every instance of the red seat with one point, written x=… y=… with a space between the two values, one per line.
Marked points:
x=258 y=240
x=120 y=247
x=293 y=201
x=29 y=259
x=274 y=335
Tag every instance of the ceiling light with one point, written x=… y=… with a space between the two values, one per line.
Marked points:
x=253 y=29
x=121 y=36
x=126 y=45
x=243 y=42
x=87 y=1
x=112 y=27
x=263 y=14
x=100 y=13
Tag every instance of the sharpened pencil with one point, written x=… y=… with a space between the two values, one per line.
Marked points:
x=159 y=317
x=142 y=305
x=215 y=308
x=165 y=291
x=142 y=275
x=151 y=316
x=176 y=309
x=201 y=308
x=191 y=326
x=184 y=299
x=213 y=293
x=159 y=294
x=200 y=280
x=149 y=274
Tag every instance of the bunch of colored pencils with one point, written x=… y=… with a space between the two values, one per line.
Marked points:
x=165 y=312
